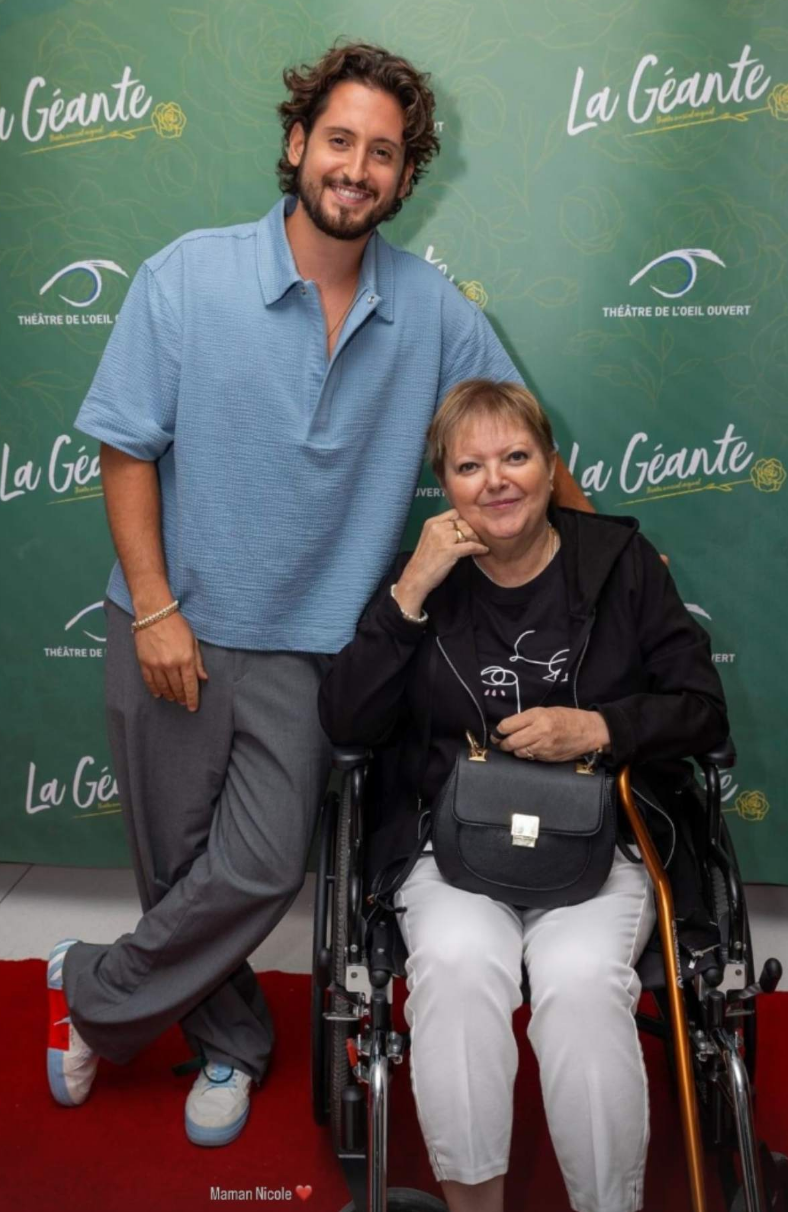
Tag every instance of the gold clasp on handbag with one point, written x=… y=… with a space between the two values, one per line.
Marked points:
x=589 y=763
x=525 y=829
x=475 y=751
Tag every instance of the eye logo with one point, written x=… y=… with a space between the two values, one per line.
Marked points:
x=89 y=267
x=695 y=609
x=100 y=639
x=687 y=257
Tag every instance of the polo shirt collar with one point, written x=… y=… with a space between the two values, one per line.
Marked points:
x=278 y=270
x=276 y=265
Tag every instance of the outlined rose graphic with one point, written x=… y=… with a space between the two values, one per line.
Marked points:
x=590 y=219
x=768 y=475
x=168 y=120
x=752 y=805
x=777 y=102
x=475 y=292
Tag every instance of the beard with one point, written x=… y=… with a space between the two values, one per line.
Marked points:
x=346 y=225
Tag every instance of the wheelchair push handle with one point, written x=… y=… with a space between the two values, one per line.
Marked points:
x=723 y=756
x=348 y=757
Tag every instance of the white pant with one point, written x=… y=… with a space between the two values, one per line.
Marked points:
x=464 y=971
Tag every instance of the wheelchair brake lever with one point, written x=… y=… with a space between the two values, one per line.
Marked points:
x=770 y=975
x=766 y=983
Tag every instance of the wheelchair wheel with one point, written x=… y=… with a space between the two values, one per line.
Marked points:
x=404 y=1199
x=321 y=963
x=775 y=1181
x=339 y=1064
x=749 y=1024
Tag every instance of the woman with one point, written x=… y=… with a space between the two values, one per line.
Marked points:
x=478 y=630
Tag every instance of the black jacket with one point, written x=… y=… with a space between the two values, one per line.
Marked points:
x=412 y=691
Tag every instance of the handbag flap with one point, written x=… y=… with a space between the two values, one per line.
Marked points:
x=489 y=793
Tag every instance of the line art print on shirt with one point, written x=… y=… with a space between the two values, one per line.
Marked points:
x=496 y=678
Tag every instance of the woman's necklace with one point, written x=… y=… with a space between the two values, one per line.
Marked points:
x=553 y=547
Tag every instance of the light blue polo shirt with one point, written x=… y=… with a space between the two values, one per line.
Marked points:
x=286 y=478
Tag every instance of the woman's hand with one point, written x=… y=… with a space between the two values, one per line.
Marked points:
x=438 y=550
x=553 y=734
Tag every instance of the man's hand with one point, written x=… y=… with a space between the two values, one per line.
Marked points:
x=167 y=651
x=171 y=661
x=553 y=734
x=438 y=550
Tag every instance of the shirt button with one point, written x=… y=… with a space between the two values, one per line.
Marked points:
x=303 y=290
x=371 y=299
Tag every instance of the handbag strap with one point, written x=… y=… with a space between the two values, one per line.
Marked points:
x=623 y=846
x=574 y=653
x=382 y=898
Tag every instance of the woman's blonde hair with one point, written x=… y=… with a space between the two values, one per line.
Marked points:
x=498 y=401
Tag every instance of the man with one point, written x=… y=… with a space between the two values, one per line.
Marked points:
x=262 y=405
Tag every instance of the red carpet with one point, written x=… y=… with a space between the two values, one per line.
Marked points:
x=125 y=1150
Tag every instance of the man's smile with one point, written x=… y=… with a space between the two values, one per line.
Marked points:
x=348 y=195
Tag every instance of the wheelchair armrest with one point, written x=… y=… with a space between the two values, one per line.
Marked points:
x=345 y=758
x=723 y=756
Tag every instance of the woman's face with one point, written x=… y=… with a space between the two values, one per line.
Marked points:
x=497 y=478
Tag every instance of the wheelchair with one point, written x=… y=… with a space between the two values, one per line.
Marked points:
x=698 y=968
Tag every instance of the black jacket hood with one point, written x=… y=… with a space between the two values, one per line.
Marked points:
x=589 y=563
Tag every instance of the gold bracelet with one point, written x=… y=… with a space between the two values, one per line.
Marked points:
x=150 y=619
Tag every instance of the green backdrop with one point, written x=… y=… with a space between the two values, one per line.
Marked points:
x=611 y=191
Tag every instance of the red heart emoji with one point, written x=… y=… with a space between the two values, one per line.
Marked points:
x=303 y=1192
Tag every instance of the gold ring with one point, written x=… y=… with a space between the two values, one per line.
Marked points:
x=460 y=536
x=530 y=756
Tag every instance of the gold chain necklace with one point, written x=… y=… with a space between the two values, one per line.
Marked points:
x=344 y=313
x=553 y=552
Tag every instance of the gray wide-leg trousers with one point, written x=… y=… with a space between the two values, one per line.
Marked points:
x=220 y=806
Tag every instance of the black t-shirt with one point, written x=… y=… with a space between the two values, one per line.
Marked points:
x=522 y=639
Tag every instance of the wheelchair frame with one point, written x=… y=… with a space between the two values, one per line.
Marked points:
x=706 y=1022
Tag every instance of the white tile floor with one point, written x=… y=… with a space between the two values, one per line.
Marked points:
x=39 y=905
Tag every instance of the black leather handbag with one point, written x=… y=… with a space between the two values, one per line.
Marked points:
x=532 y=834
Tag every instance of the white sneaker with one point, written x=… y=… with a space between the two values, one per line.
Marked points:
x=218 y=1105
x=71 y=1064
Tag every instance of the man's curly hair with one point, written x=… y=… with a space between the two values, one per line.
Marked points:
x=309 y=89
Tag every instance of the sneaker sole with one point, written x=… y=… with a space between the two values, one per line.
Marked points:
x=57 y=1082
x=58 y=1017
x=209 y=1137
